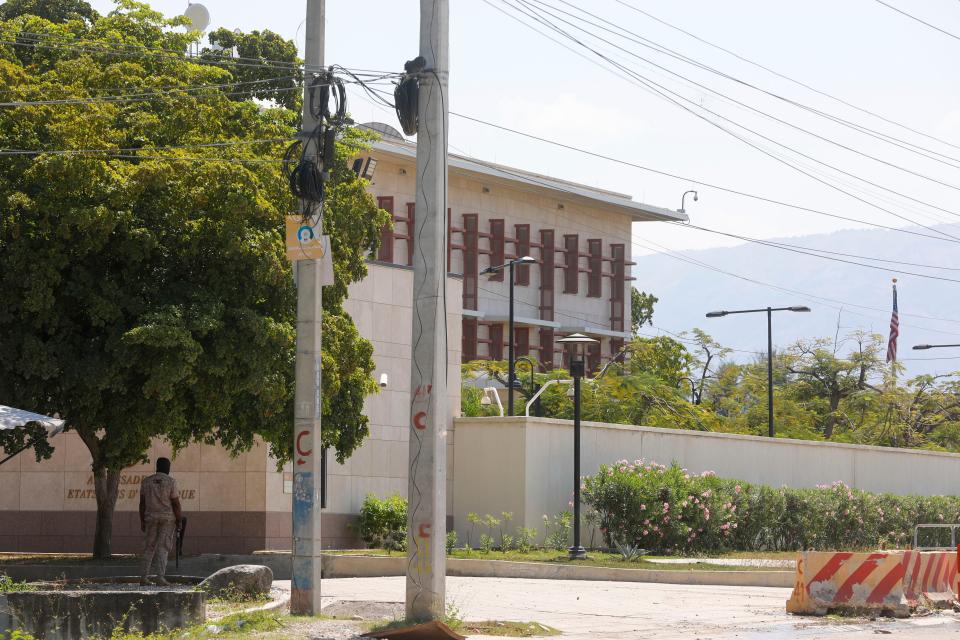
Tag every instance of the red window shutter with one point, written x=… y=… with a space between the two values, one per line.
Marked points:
x=385 y=253
x=496 y=341
x=522 y=232
x=522 y=343
x=497 y=241
x=595 y=278
x=471 y=259
x=593 y=358
x=546 y=349
x=617 y=298
x=469 y=340
x=547 y=268
x=571 y=270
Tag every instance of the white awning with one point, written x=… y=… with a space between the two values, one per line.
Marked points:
x=11 y=418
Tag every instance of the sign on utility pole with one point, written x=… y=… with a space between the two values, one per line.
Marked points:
x=307 y=453
x=429 y=413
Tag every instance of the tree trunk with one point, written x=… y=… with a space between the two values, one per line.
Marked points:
x=105 y=484
x=832 y=418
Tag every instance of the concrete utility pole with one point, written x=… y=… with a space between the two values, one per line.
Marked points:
x=429 y=413
x=305 y=588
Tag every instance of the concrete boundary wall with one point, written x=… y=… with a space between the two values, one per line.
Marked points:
x=525 y=465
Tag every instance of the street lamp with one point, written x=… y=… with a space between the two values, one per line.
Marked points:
x=769 y=311
x=577 y=371
x=511 y=364
x=921 y=347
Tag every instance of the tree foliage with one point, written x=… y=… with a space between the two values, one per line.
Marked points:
x=641 y=308
x=146 y=291
x=827 y=389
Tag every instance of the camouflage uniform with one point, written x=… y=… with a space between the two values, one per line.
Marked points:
x=158 y=490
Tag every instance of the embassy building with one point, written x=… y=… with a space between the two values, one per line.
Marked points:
x=580 y=237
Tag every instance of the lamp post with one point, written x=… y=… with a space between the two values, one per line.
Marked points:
x=577 y=371
x=922 y=347
x=769 y=311
x=511 y=363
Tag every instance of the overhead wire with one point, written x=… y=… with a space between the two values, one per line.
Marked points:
x=636 y=38
x=920 y=20
x=675 y=99
x=793 y=80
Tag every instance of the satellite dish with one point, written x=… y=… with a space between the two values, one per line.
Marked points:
x=198 y=15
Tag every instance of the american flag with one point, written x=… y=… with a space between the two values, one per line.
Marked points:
x=894 y=328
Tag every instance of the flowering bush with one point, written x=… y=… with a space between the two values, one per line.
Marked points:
x=669 y=509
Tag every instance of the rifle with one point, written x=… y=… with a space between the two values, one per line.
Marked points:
x=181 y=530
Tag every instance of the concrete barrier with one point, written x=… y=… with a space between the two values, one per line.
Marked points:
x=838 y=581
x=930 y=577
x=74 y=615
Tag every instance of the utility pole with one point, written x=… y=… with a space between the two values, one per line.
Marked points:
x=429 y=413
x=307 y=472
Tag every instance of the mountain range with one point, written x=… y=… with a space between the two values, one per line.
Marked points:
x=843 y=297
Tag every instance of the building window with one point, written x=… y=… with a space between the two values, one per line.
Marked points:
x=522 y=337
x=547 y=267
x=497 y=252
x=409 y=220
x=593 y=357
x=471 y=258
x=547 y=347
x=385 y=252
x=617 y=301
x=469 y=339
x=495 y=346
x=571 y=269
x=523 y=249
x=595 y=277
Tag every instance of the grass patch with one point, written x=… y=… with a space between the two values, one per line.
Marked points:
x=507 y=628
x=9 y=585
x=230 y=603
x=503 y=628
x=70 y=559
x=594 y=559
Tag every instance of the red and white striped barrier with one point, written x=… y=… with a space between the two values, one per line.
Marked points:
x=854 y=581
x=930 y=577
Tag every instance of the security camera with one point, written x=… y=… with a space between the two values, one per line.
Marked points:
x=384 y=380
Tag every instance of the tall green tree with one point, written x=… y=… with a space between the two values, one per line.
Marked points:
x=641 y=308
x=146 y=291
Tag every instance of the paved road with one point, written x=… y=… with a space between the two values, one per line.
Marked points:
x=631 y=610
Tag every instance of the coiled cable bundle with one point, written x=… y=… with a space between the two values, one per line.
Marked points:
x=307 y=163
x=406 y=95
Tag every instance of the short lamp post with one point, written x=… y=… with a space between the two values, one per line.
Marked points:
x=533 y=384
x=511 y=360
x=769 y=311
x=924 y=347
x=577 y=371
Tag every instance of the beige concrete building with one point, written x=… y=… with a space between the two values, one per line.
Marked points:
x=581 y=239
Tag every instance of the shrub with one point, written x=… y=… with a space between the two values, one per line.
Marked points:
x=650 y=505
x=383 y=523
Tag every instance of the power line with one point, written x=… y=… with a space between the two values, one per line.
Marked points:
x=921 y=21
x=661 y=49
x=811 y=252
x=662 y=91
x=843 y=304
x=789 y=79
x=694 y=180
x=670 y=253
x=136 y=97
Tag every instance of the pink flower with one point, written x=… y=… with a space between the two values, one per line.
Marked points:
x=940 y=516
x=645 y=532
x=643 y=507
x=646 y=523
x=734 y=525
x=666 y=506
x=737 y=489
x=656 y=528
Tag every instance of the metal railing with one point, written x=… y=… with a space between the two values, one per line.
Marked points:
x=953 y=535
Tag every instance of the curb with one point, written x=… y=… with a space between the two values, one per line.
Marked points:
x=357 y=566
